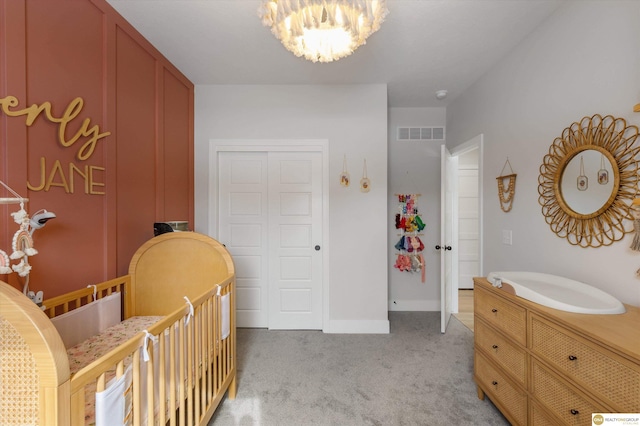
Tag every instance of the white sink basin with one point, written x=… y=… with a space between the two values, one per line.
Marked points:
x=558 y=292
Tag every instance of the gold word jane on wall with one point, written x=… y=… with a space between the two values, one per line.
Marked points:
x=57 y=176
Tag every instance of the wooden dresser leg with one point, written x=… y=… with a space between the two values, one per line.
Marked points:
x=480 y=393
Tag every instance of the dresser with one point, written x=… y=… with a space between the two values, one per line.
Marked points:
x=542 y=366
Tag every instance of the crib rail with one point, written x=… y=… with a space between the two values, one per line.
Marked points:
x=67 y=302
x=192 y=365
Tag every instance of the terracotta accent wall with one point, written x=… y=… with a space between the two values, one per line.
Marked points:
x=56 y=51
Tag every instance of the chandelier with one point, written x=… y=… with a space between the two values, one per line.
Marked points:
x=322 y=30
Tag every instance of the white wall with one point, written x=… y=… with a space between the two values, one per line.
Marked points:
x=354 y=120
x=585 y=59
x=414 y=168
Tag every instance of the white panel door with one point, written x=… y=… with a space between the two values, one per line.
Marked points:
x=295 y=239
x=243 y=229
x=270 y=219
x=448 y=234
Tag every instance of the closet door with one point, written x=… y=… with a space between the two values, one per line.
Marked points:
x=295 y=238
x=243 y=218
x=270 y=219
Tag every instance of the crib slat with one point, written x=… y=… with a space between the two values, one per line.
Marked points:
x=190 y=372
x=203 y=358
x=210 y=352
x=225 y=362
x=136 y=388
x=199 y=363
x=172 y=376
x=182 y=344
x=150 y=387
x=162 y=380
x=101 y=382
x=217 y=332
x=219 y=376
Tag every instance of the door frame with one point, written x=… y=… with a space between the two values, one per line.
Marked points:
x=275 y=145
x=476 y=142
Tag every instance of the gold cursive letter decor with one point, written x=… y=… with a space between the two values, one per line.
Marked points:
x=9 y=104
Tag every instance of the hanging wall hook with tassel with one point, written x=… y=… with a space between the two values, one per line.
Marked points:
x=506 y=193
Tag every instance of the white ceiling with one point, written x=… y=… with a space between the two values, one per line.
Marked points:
x=423 y=46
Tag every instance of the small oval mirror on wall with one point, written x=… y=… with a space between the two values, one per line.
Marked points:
x=588 y=180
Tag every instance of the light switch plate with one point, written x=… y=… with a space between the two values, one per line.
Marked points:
x=507 y=237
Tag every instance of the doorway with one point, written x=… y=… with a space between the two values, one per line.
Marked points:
x=269 y=213
x=468 y=219
x=469 y=239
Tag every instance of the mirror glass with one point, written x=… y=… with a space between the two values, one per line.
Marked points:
x=587 y=182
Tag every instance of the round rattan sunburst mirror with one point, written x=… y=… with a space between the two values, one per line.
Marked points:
x=591 y=212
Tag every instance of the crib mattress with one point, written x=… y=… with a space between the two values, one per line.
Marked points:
x=97 y=346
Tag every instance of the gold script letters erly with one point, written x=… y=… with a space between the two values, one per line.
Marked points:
x=9 y=107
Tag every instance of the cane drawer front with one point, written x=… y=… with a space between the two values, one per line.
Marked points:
x=539 y=417
x=501 y=351
x=605 y=375
x=559 y=398
x=502 y=314
x=500 y=390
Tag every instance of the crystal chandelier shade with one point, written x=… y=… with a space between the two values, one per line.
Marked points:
x=322 y=30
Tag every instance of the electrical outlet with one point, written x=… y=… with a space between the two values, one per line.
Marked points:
x=507 y=237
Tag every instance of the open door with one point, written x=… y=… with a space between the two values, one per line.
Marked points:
x=448 y=222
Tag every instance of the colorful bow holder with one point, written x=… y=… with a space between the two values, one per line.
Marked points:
x=410 y=246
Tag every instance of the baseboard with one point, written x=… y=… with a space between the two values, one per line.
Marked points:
x=357 y=327
x=414 y=305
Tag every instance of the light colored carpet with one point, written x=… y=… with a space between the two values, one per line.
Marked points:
x=412 y=376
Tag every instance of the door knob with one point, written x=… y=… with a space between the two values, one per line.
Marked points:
x=317 y=248
x=438 y=247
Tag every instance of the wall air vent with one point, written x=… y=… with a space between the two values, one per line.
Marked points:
x=421 y=133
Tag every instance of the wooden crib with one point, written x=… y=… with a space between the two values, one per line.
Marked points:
x=184 y=282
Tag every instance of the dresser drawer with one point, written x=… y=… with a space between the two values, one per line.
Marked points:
x=591 y=367
x=511 y=399
x=501 y=351
x=539 y=417
x=502 y=314
x=559 y=398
